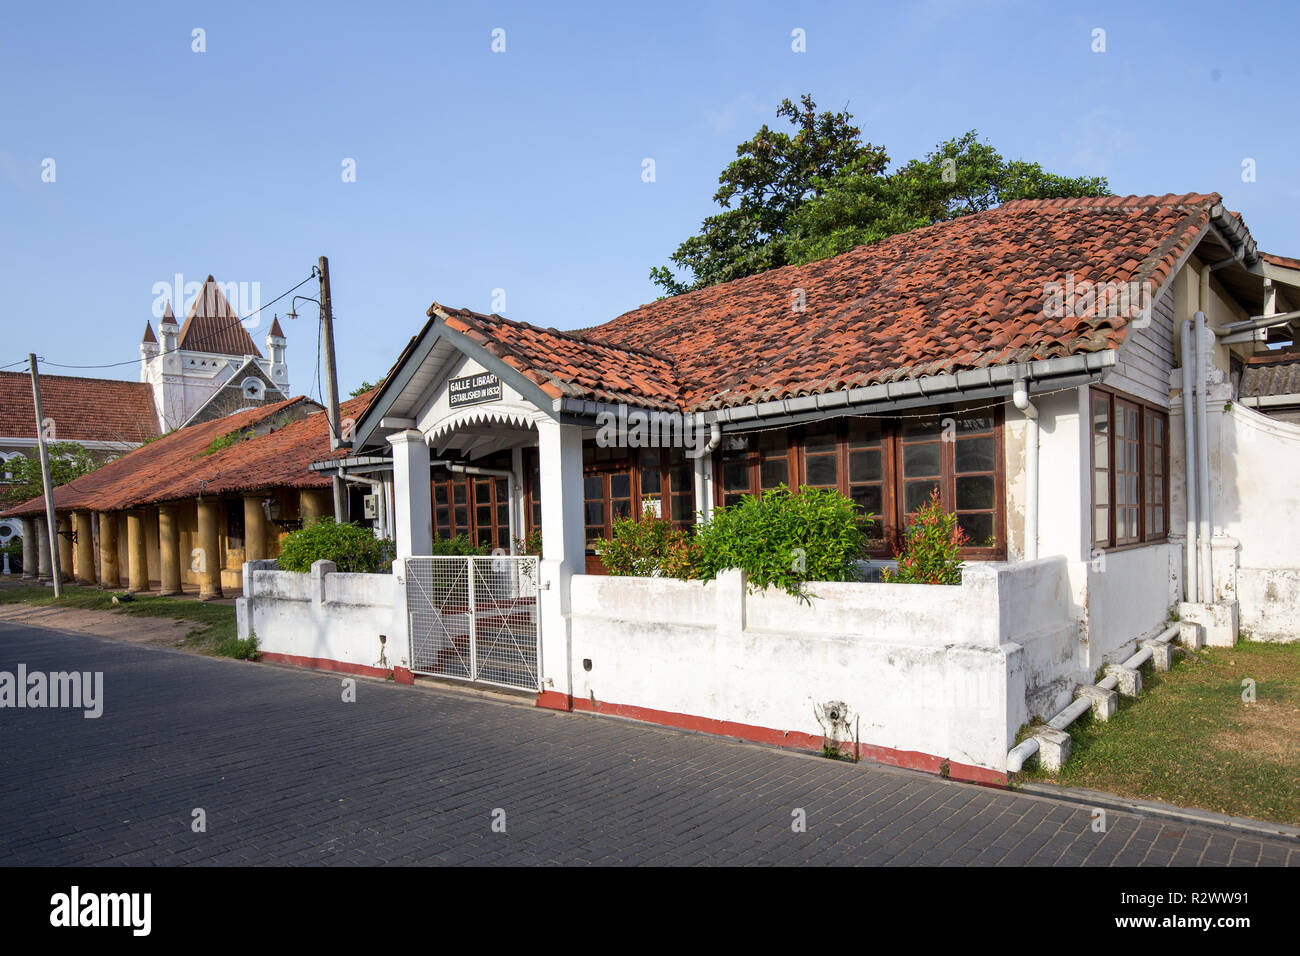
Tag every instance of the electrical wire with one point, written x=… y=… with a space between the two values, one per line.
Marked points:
x=189 y=346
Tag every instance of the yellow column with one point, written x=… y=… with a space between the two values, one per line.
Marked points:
x=108 y=570
x=209 y=556
x=256 y=547
x=65 y=547
x=169 y=550
x=31 y=547
x=85 y=548
x=137 y=557
x=314 y=503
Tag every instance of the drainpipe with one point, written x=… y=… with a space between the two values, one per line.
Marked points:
x=1020 y=396
x=1203 y=461
x=459 y=469
x=1191 y=565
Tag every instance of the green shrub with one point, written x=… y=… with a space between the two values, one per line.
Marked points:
x=644 y=546
x=457 y=546
x=245 y=649
x=785 y=539
x=351 y=547
x=931 y=552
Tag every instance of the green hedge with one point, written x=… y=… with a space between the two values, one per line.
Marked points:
x=351 y=547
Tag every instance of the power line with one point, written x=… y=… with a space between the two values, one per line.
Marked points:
x=214 y=332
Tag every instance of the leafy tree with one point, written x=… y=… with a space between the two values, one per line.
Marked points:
x=795 y=199
x=360 y=389
x=68 y=461
x=774 y=173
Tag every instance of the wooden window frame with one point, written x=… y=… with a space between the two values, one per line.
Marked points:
x=1112 y=542
x=890 y=520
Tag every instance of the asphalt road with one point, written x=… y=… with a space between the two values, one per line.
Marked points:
x=287 y=772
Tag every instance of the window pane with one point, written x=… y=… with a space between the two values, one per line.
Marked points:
x=593 y=486
x=650 y=482
x=773 y=473
x=775 y=442
x=620 y=485
x=975 y=493
x=683 y=507
x=867 y=497
x=978 y=528
x=735 y=476
x=819 y=438
x=459 y=493
x=1100 y=488
x=864 y=431
x=1101 y=526
x=483 y=515
x=974 y=423
x=439 y=494
x=921 y=428
x=459 y=515
x=917 y=493
x=821 y=470
x=596 y=513
x=974 y=454
x=503 y=518
x=1100 y=433
x=920 y=460
x=864 y=466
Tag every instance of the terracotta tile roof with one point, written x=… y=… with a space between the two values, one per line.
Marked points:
x=568 y=365
x=83 y=409
x=1286 y=262
x=174 y=467
x=962 y=294
x=212 y=325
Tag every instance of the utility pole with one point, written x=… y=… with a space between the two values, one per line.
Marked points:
x=331 y=382
x=46 y=487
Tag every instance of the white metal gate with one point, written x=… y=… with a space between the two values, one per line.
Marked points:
x=474 y=618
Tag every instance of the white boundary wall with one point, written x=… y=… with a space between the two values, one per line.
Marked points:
x=930 y=669
x=325 y=615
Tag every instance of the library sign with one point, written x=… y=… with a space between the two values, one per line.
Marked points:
x=473 y=390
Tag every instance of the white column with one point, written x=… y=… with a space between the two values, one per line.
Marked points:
x=563 y=553
x=413 y=509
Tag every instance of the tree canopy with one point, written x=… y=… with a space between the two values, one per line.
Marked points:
x=68 y=461
x=789 y=199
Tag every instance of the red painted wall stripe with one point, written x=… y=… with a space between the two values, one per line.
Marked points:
x=325 y=664
x=795 y=740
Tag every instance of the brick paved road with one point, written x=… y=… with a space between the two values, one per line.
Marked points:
x=288 y=773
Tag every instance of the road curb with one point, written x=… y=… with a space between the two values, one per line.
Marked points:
x=1110 y=801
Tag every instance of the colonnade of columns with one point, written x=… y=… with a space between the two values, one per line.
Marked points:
x=103 y=566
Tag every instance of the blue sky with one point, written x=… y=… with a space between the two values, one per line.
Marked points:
x=521 y=170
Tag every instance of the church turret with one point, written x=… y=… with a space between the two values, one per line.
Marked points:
x=148 y=350
x=168 y=329
x=275 y=345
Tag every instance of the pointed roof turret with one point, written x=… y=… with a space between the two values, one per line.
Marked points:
x=168 y=316
x=275 y=327
x=149 y=337
x=212 y=325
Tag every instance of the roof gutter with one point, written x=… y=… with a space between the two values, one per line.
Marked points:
x=1049 y=374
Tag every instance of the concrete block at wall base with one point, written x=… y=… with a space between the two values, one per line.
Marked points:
x=1130 y=679
x=1220 y=621
x=1104 y=702
x=241 y=618
x=1162 y=654
x=1053 y=748
x=1191 y=635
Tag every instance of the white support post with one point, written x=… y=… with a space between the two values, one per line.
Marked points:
x=413 y=509
x=703 y=487
x=563 y=552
